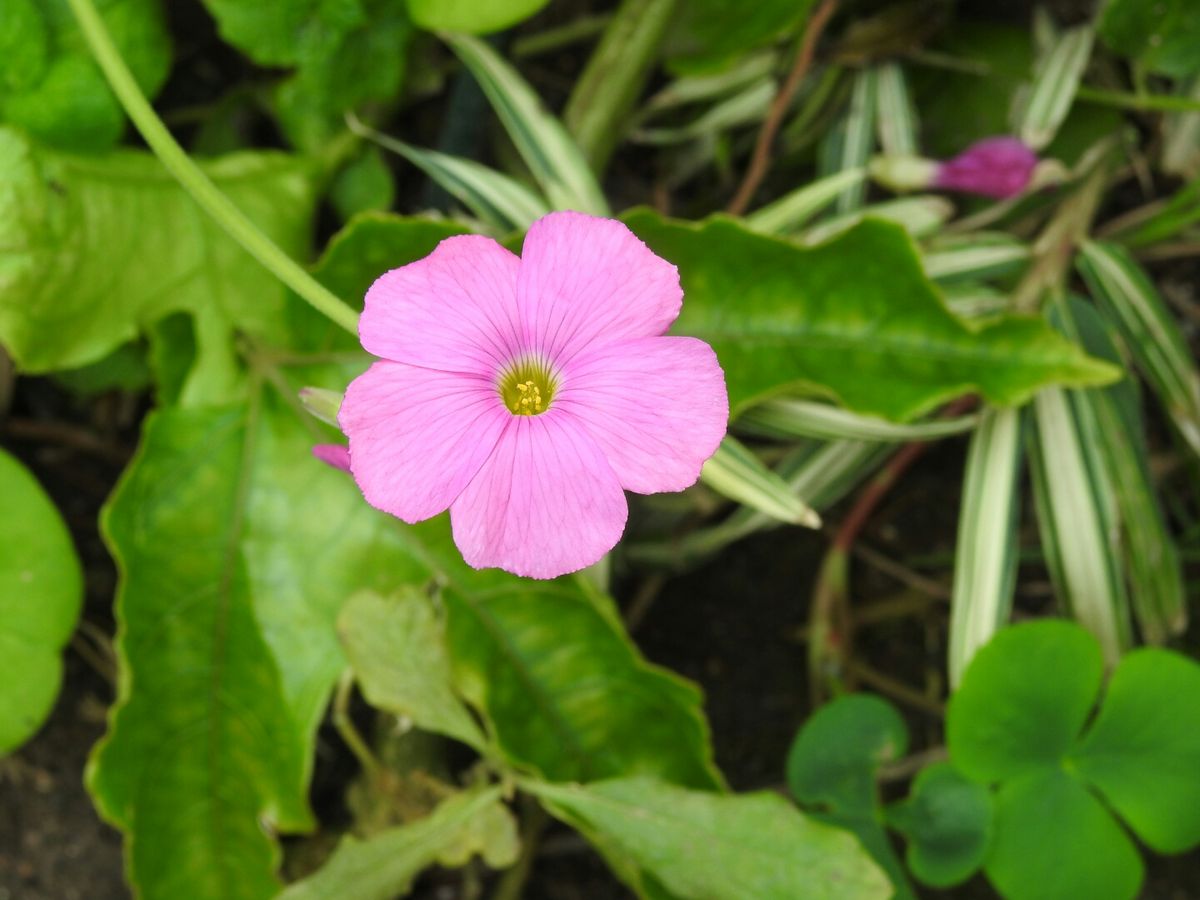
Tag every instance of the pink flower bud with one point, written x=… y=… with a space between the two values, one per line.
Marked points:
x=998 y=167
x=335 y=455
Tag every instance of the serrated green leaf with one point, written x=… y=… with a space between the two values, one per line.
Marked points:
x=553 y=158
x=717 y=847
x=1162 y=36
x=565 y=690
x=1055 y=841
x=854 y=319
x=1143 y=749
x=384 y=866
x=740 y=475
x=227 y=650
x=396 y=645
x=41 y=592
x=1023 y=700
x=83 y=276
x=948 y=823
x=985 y=557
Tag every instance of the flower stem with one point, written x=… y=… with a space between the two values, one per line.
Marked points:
x=194 y=181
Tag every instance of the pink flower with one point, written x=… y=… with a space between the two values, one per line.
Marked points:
x=998 y=167
x=524 y=393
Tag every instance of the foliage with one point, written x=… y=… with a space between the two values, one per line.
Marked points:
x=260 y=598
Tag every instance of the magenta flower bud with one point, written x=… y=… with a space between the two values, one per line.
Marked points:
x=335 y=455
x=999 y=167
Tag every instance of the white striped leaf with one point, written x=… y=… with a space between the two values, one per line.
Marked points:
x=980 y=255
x=919 y=216
x=896 y=121
x=850 y=142
x=985 y=557
x=492 y=197
x=747 y=106
x=1077 y=517
x=1152 y=335
x=794 y=209
x=1151 y=559
x=1054 y=85
x=553 y=157
x=791 y=418
x=739 y=475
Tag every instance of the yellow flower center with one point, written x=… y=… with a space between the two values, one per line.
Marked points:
x=527 y=387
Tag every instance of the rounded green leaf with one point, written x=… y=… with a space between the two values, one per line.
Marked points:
x=948 y=822
x=1143 y=749
x=1023 y=700
x=1055 y=841
x=471 y=16
x=41 y=588
x=834 y=757
x=24 y=46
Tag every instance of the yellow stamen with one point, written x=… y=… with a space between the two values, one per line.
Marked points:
x=527 y=388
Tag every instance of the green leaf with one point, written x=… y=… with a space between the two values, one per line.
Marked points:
x=565 y=690
x=41 y=591
x=793 y=210
x=985 y=550
x=397 y=647
x=948 y=822
x=1162 y=36
x=231 y=581
x=77 y=254
x=895 y=118
x=344 y=53
x=49 y=84
x=979 y=255
x=24 y=46
x=552 y=156
x=740 y=475
x=1055 y=841
x=854 y=319
x=1143 y=749
x=712 y=33
x=364 y=185
x=831 y=768
x=1023 y=700
x=383 y=866
x=472 y=16
x=833 y=760
x=717 y=847
x=849 y=143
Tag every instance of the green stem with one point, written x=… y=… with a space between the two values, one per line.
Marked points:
x=1138 y=102
x=614 y=76
x=195 y=182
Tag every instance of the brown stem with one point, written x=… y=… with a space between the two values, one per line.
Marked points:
x=760 y=160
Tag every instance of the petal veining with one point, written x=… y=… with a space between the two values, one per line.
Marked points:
x=657 y=407
x=418 y=436
x=455 y=310
x=545 y=503
x=584 y=279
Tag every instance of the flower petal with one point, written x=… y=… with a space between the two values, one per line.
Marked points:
x=545 y=503
x=657 y=407
x=583 y=278
x=455 y=310
x=418 y=436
